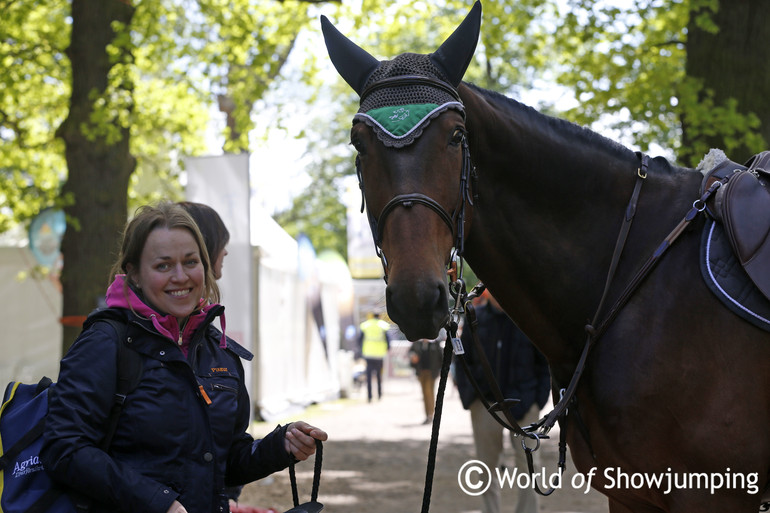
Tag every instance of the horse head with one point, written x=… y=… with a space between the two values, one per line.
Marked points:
x=413 y=166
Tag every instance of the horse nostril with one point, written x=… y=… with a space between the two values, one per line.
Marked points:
x=419 y=309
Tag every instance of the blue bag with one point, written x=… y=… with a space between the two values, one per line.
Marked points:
x=24 y=485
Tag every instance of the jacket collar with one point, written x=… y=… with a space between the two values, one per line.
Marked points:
x=121 y=295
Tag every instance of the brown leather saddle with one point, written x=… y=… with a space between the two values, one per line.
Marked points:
x=742 y=206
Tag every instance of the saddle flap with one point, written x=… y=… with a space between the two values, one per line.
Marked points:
x=744 y=205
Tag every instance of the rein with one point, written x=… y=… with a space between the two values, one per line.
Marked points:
x=594 y=331
x=463 y=301
x=539 y=430
x=313 y=506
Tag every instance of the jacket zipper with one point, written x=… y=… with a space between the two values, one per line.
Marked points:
x=217 y=386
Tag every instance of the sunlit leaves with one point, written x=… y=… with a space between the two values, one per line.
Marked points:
x=34 y=78
x=168 y=68
x=706 y=118
x=623 y=64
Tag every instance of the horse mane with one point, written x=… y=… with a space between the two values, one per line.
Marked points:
x=568 y=129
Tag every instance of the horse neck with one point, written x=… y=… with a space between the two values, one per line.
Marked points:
x=546 y=218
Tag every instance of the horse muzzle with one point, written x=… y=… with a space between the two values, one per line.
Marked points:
x=420 y=308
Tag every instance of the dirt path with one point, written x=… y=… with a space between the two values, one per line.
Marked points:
x=376 y=457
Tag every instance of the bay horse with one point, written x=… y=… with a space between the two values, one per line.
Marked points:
x=676 y=386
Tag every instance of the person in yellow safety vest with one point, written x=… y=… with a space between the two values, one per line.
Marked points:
x=374 y=343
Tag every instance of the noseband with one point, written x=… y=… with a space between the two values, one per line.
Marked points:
x=456 y=220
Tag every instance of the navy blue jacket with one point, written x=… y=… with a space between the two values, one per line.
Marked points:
x=181 y=434
x=520 y=369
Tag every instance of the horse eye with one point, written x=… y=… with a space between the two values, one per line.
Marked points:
x=457 y=136
x=357 y=144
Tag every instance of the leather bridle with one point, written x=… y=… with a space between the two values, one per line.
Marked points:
x=456 y=220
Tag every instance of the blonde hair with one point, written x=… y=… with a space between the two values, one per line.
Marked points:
x=163 y=215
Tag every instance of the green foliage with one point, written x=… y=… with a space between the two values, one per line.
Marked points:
x=624 y=63
x=168 y=68
x=33 y=36
x=319 y=211
x=248 y=47
x=705 y=118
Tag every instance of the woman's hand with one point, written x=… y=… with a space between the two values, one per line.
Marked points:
x=176 y=507
x=300 y=439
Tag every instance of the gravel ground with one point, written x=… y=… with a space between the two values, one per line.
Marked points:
x=376 y=456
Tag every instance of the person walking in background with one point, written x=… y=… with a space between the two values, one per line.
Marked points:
x=182 y=436
x=374 y=343
x=426 y=356
x=522 y=373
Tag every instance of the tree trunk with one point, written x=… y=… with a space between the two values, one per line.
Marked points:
x=99 y=168
x=735 y=63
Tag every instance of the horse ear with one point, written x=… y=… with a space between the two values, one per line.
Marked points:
x=454 y=55
x=353 y=63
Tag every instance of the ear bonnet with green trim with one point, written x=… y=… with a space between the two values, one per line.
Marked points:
x=399 y=110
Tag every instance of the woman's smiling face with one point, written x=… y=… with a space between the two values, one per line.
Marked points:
x=171 y=273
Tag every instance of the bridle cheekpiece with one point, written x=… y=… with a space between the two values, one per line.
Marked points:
x=429 y=111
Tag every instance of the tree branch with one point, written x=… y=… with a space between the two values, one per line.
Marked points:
x=671 y=42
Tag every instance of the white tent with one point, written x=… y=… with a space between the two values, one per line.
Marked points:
x=290 y=320
x=296 y=353
x=30 y=341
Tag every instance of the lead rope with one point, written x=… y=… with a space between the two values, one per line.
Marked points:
x=457 y=288
x=436 y=425
x=313 y=506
